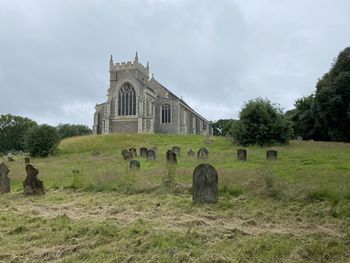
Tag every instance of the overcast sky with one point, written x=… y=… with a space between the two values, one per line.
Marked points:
x=54 y=55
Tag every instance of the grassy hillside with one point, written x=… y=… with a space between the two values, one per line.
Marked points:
x=291 y=210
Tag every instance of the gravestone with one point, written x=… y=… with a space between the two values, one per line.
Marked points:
x=26 y=160
x=205 y=184
x=134 y=165
x=177 y=150
x=202 y=153
x=151 y=155
x=242 y=155
x=133 y=152
x=300 y=138
x=10 y=159
x=155 y=149
x=5 y=186
x=32 y=185
x=271 y=155
x=126 y=155
x=171 y=157
x=191 y=153
x=143 y=152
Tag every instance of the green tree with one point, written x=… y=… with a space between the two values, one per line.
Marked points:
x=332 y=101
x=261 y=123
x=42 y=140
x=222 y=127
x=12 y=132
x=71 y=130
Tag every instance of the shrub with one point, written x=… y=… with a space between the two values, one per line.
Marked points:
x=42 y=140
x=71 y=130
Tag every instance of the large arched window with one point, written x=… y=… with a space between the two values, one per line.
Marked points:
x=166 y=113
x=127 y=100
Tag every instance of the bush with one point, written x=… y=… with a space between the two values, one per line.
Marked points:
x=42 y=140
x=261 y=123
x=71 y=130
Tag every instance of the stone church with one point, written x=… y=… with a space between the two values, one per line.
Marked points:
x=137 y=103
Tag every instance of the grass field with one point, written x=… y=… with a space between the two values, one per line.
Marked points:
x=295 y=209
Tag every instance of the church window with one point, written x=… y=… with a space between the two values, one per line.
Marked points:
x=166 y=113
x=127 y=100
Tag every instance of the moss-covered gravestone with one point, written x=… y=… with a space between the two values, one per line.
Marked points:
x=32 y=185
x=271 y=155
x=203 y=153
x=143 y=152
x=5 y=186
x=134 y=165
x=151 y=155
x=177 y=150
x=171 y=157
x=126 y=155
x=205 y=184
x=242 y=155
x=133 y=152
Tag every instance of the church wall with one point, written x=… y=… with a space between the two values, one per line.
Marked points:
x=124 y=126
x=172 y=127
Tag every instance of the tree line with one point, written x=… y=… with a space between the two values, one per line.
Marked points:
x=23 y=134
x=323 y=115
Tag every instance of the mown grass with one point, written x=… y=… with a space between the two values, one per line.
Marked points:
x=295 y=209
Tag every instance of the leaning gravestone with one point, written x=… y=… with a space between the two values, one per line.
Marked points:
x=134 y=165
x=205 y=184
x=202 y=153
x=242 y=155
x=4 y=179
x=126 y=155
x=155 y=149
x=133 y=152
x=177 y=150
x=271 y=155
x=143 y=152
x=26 y=160
x=171 y=157
x=191 y=153
x=32 y=185
x=151 y=155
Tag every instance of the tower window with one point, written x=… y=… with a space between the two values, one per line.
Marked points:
x=166 y=113
x=126 y=100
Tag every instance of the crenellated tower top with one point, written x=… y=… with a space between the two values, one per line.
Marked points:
x=129 y=65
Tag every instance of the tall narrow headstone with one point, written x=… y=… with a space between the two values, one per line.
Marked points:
x=32 y=185
x=143 y=152
x=171 y=157
x=177 y=150
x=133 y=152
x=151 y=155
x=203 y=153
x=126 y=155
x=271 y=155
x=242 y=155
x=26 y=160
x=205 y=184
x=5 y=186
x=134 y=165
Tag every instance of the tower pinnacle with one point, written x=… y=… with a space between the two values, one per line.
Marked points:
x=136 y=57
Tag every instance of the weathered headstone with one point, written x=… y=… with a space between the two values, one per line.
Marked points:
x=155 y=149
x=191 y=153
x=242 y=155
x=143 y=152
x=171 y=157
x=32 y=185
x=10 y=159
x=299 y=138
x=133 y=152
x=126 y=155
x=177 y=150
x=26 y=160
x=205 y=184
x=203 y=153
x=151 y=155
x=5 y=186
x=271 y=155
x=134 y=165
